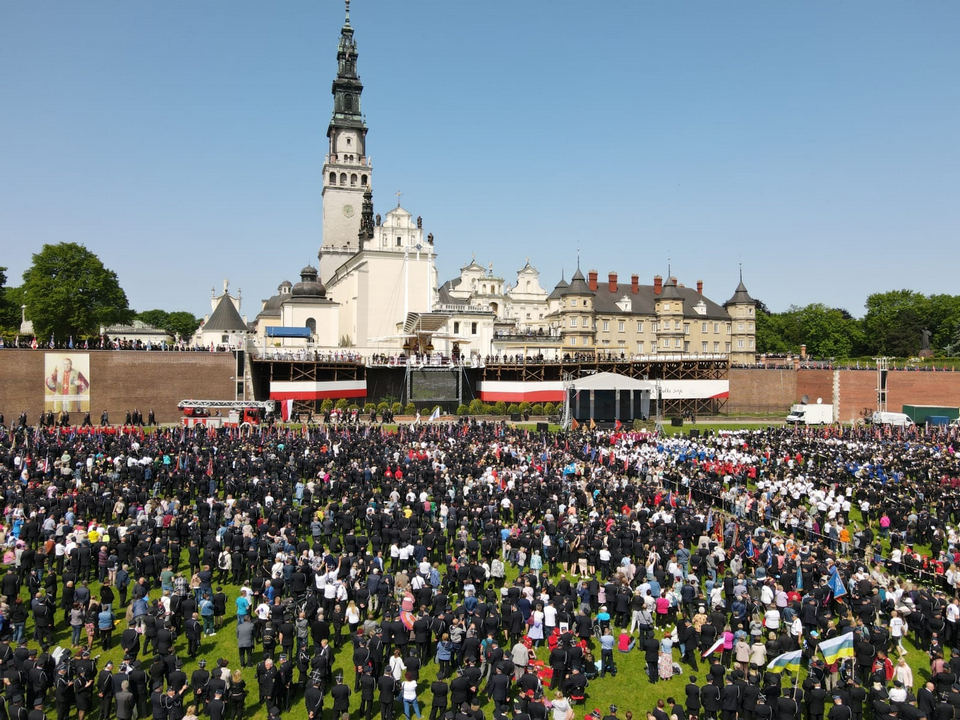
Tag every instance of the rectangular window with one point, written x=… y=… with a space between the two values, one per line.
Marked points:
x=622 y=326
x=716 y=347
x=716 y=328
x=686 y=346
x=704 y=328
x=678 y=343
x=573 y=303
x=751 y=343
x=686 y=328
x=740 y=344
x=676 y=324
x=655 y=326
x=399 y=241
x=640 y=348
x=573 y=341
x=606 y=326
x=456 y=328
x=740 y=326
x=639 y=326
x=750 y=326
x=728 y=347
x=473 y=328
x=704 y=348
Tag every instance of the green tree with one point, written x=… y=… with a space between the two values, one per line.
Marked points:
x=827 y=332
x=894 y=321
x=9 y=311
x=68 y=291
x=176 y=323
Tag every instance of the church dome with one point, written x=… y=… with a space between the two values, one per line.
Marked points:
x=309 y=286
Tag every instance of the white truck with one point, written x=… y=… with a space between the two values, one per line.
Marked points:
x=807 y=414
x=891 y=418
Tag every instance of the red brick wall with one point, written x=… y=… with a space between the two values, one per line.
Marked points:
x=121 y=381
x=761 y=391
x=774 y=391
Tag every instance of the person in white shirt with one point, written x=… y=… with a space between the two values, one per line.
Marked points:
x=896 y=629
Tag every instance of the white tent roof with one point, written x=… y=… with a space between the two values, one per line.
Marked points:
x=610 y=381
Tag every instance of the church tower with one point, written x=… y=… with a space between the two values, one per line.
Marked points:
x=347 y=171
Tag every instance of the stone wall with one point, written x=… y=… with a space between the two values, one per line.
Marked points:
x=120 y=381
x=761 y=391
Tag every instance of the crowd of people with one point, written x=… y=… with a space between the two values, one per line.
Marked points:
x=518 y=569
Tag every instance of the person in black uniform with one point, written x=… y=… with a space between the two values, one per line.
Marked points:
x=368 y=687
x=692 y=692
x=730 y=700
x=762 y=711
x=710 y=700
x=438 y=706
x=388 y=693
x=105 y=690
x=313 y=700
x=284 y=683
x=199 y=680
x=266 y=682
x=63 y=692
x=216 y=708
x=138 y=686
x=237 y=696
x=341 y=697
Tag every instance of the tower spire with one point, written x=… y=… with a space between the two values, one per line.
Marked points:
x=346 y=22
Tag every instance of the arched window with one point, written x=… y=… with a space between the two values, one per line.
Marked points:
x=353 y=180
x=343 y=178
x=333 y=178
x=312 y=326
x=363 y=180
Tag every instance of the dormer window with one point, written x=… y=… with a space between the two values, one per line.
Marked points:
x=700 y=308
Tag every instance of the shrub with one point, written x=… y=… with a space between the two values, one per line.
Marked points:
x=549 y=409
x=500 y=408
x=342 y=404
x=463 y=410
x=513 y=409
x=476 y=406
x=368 y=408
x=410 y=409
x=326 y=405
x=537 y=409
x=382 y=406
x=396 y=408
x=524 y=407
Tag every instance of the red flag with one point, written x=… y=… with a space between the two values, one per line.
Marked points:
x=617 y=425
x=210 y=467
x=574 y=424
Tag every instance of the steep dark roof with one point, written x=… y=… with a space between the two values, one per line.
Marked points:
x=558 y=290
x=740 y=296
x=578 y=285
x=225 y=318
x=670 y=291
x=644 y=302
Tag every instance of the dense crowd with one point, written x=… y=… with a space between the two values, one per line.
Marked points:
x=518 y=567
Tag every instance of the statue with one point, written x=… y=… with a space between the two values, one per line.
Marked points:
x=925 y=339
x=430 y=238
x=378 y=219
x=419 y=223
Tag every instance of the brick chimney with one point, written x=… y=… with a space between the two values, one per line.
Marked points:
x=592 y=280
x=635 y=284
x=657 y=284
x=699 y=287
x=612 y=280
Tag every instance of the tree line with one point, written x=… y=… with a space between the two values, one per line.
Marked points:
x=892 y=326
x=69 y=293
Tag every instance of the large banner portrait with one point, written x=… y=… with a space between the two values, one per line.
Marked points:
x=66 y=382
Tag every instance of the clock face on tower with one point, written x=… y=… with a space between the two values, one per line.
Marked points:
x=348 y=210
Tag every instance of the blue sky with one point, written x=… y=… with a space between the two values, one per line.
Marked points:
x=183 y=141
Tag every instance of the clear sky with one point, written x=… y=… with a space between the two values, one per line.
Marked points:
x=182 y=141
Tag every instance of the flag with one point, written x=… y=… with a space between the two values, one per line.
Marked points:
x=710 y=520
x=210 y=467
x=837 y=648
x=574 y=424
x=713 y=648
x=593 y=425
x=799 y=578
x=617 y=425
x=836 y=584
x=570 y=469
x=70 y=344
x=435 y=415
x=787 y=661
x=34 y=344
x=286 y=409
